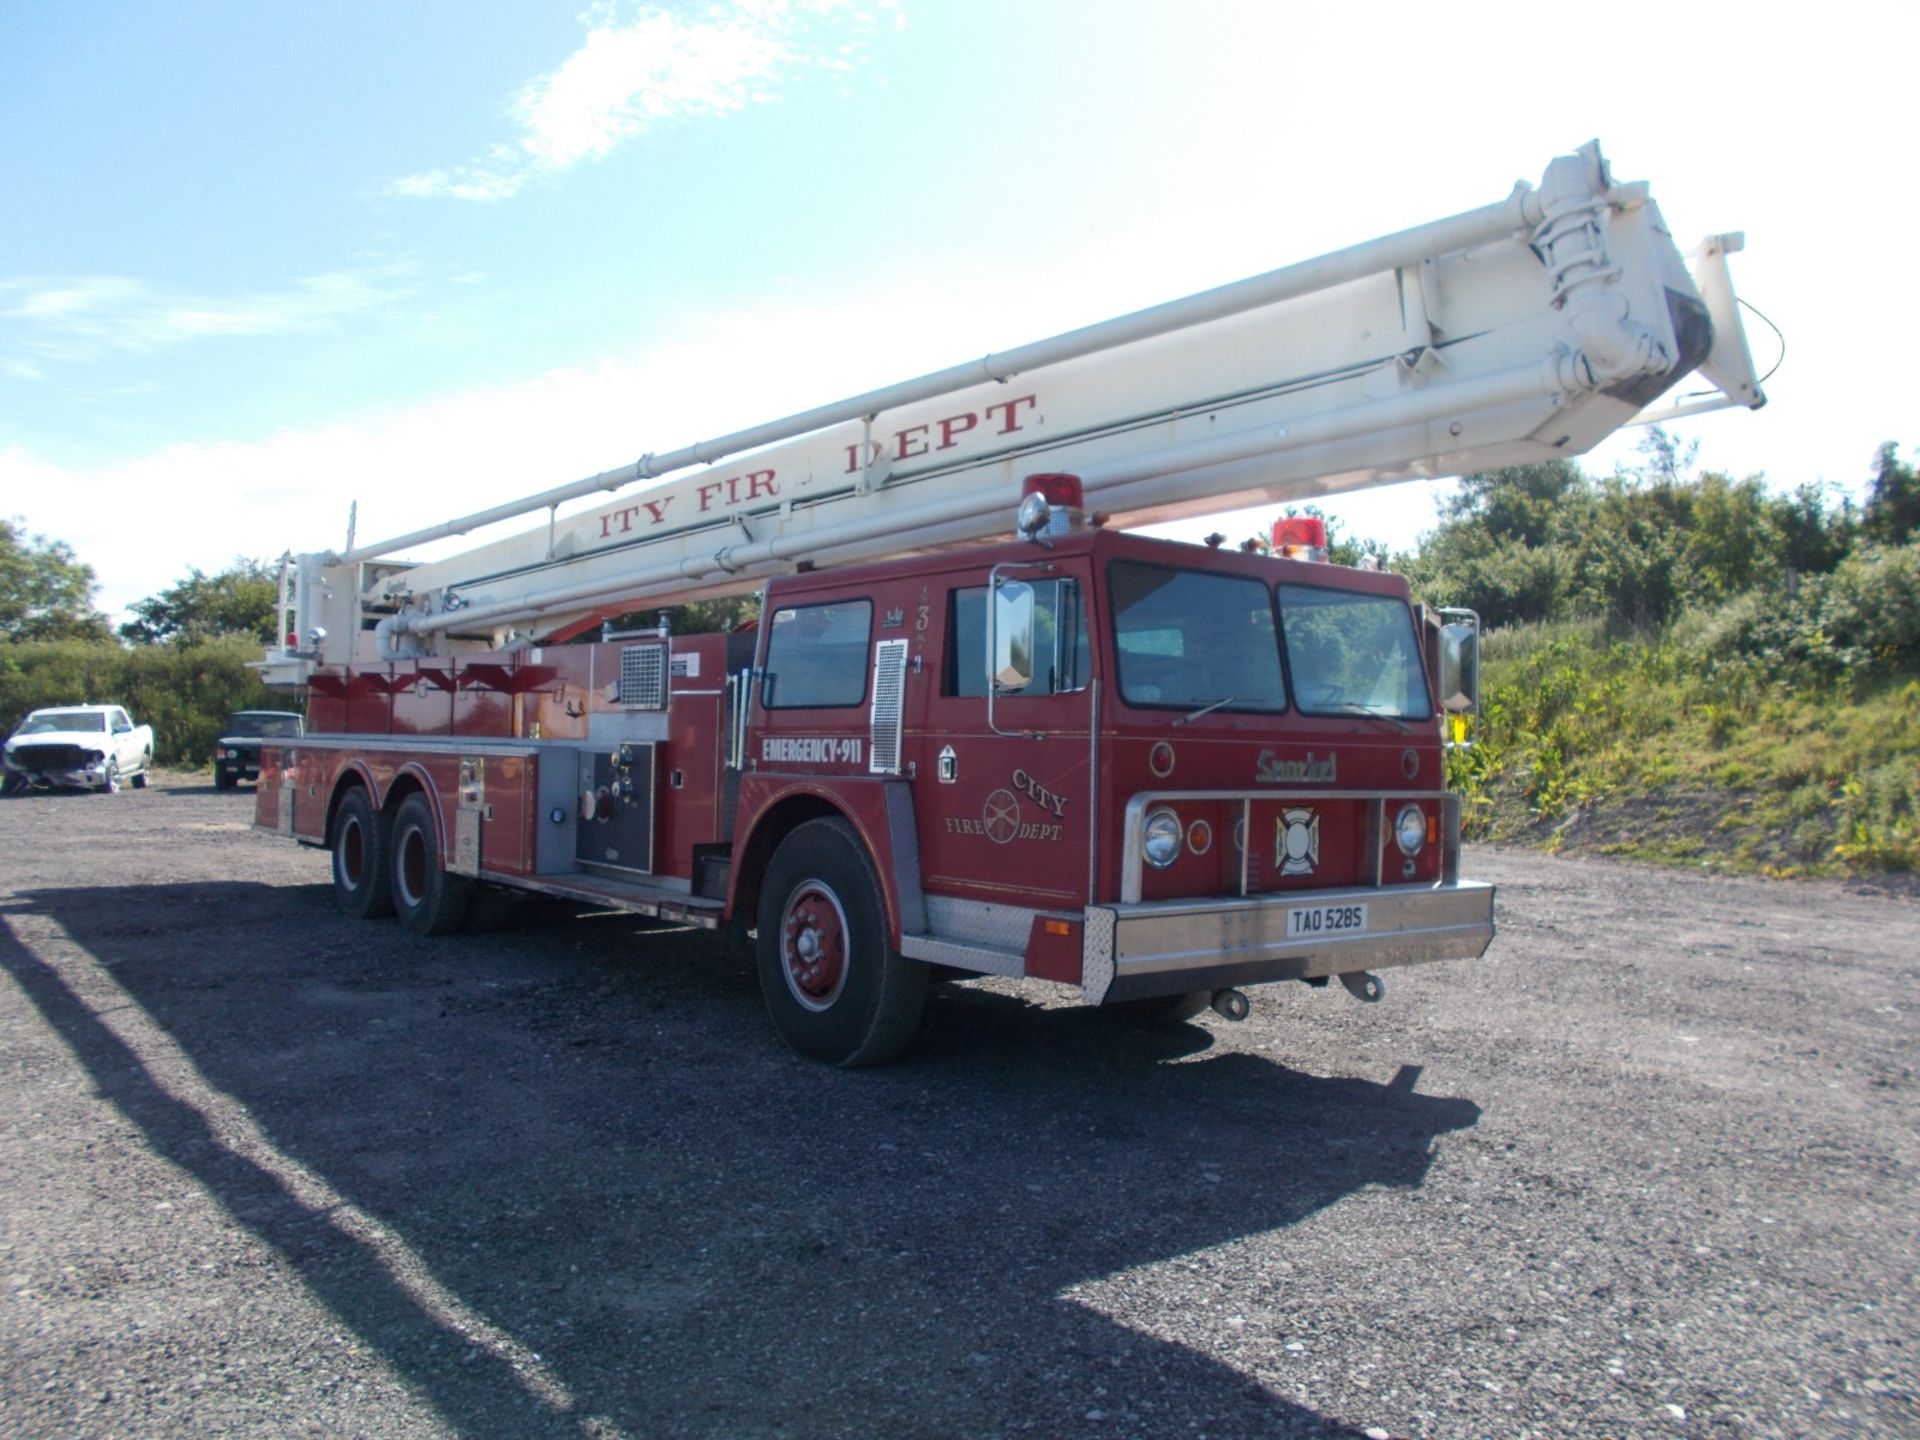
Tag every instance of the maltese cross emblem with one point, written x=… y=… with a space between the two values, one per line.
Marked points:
x=1296 y=848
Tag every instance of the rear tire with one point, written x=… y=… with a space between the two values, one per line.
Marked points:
x=222 y=780
x=362 y=876
x=428 y=900
x=835 y=989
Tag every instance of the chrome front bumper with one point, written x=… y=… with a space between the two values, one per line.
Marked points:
x=1170 y=947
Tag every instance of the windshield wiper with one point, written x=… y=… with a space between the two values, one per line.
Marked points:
x=1354 y=707
x=1205 y=710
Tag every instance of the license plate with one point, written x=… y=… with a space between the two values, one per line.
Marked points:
x=1310 y=920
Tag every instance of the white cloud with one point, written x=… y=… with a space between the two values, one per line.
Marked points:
x=80 y=318
x=639 y=69
x=201 y=504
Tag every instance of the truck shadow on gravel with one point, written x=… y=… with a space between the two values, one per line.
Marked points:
x=587 y=1136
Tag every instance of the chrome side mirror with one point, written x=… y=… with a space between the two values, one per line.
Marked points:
x=1460 y=662
x=1012 y=659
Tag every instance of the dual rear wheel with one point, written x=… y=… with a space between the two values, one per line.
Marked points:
x=390 y=865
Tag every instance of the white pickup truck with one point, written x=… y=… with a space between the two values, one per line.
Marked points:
x=77 y=747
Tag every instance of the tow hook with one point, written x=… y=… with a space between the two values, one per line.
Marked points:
x=1231 y=1005
x=1364 y=985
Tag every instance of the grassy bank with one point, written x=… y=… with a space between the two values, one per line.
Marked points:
x=1675 y=746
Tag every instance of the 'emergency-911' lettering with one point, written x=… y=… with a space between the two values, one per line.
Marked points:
x=812 y=750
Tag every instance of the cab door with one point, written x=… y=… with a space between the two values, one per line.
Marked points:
x=1005 y=768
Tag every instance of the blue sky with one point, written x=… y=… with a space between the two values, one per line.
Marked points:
x=258 y=261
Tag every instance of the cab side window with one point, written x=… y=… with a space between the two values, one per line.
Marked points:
x=1062 y=651
x=817 y=655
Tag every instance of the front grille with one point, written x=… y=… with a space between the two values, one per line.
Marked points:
x=52 y=757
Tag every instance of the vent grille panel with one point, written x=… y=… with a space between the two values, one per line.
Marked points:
x=643 y=677
x=889 y=706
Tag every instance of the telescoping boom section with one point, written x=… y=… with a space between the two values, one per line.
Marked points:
x=961 y=740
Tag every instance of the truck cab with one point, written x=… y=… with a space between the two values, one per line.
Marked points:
x=1145 y=769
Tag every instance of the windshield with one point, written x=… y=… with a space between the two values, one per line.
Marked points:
x=1187 y=640
x=1352 y=654
x=49 y=720
x=267 y=725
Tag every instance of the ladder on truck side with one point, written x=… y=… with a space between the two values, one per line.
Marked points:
x=1525 y=330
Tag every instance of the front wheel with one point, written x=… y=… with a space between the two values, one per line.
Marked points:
x=428 y=900
x=835 y=988
x=362 y=886
x=110 y=782
x=12 y=784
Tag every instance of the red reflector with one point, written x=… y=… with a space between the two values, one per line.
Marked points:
x=1299 y=530
x=292 y=639
x=1057 y=489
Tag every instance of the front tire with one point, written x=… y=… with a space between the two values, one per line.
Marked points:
x=12 y=784
x=835 y=989
x=428 y=900
x=110 y=783
x=362 y=878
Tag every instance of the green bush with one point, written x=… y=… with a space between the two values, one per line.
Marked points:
x=182 y=691
x=1863 y=620
x=1870 y=607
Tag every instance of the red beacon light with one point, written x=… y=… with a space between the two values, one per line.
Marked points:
x=1050 y=504
x=1300 y=537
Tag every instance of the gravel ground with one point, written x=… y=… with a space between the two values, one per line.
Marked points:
x=1647 y=1170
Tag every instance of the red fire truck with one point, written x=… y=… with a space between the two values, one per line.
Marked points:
x=980 y=727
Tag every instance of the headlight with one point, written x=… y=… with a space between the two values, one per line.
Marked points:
x=1162 y=839
x=1410 y=830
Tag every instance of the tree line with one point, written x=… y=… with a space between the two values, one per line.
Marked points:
x=1805 y=577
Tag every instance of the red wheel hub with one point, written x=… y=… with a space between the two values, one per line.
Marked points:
x=813 y=945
